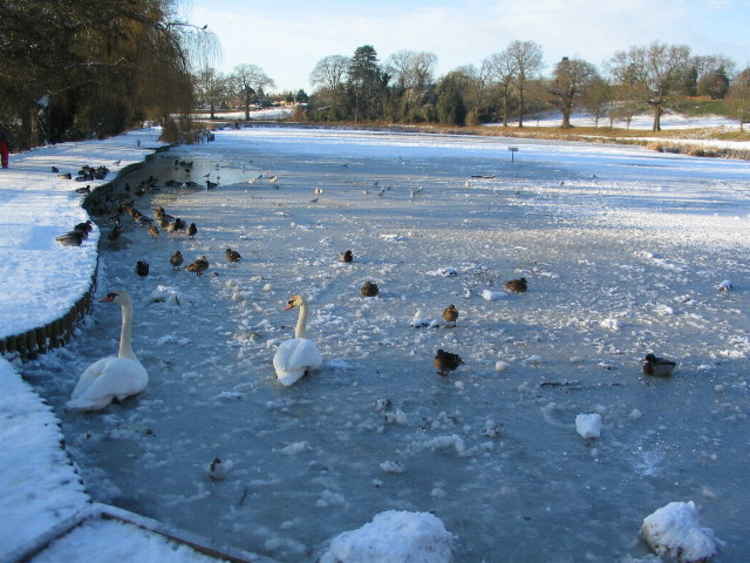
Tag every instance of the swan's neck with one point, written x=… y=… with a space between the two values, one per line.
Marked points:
x=126 y=332
x=299 y=330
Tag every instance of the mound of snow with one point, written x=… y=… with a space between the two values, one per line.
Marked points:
x=443 y=272
x=589 y=425
x=673 y=530
x=394 y=536
x=489 y=295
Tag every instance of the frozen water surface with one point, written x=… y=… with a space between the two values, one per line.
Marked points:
x=623 y=250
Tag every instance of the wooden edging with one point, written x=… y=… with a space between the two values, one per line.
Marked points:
x=95 y=511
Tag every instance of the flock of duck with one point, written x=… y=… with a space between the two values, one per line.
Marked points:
x=118 y=377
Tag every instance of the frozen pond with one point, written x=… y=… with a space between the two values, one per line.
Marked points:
x=623 y=250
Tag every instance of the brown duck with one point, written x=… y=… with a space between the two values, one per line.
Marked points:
x=450 y=315
x=346 y=256
x=445 y=362
x=660 y=367
x=516 y=286
x=72 y=238
x=176 y=259
x=199 y=266
x=153 y=231
x=192 y=229
x=369 y=289
x=232 y=255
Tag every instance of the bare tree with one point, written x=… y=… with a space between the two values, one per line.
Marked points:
x=246 y=81
x=572 y=77
x=597 y=98
x=330 y=72
x=412 y=69
x=738 y=98
x=527 y=58
x=500 y=69
x=654 y=73
x=211 y=88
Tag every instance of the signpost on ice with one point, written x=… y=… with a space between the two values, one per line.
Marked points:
x=513 y=151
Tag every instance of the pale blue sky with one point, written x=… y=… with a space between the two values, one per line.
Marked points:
x=288 y=37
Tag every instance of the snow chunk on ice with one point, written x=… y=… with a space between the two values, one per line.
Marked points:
x=501 y=365
x=167 y=294
x=589 y=425
x=443 y=272
x=489 y=295
x=674 y=530
x=446 y=443
x=610 y=324
x=294 y=449
x=393 y=535
x=393 y=237
x=392 y=467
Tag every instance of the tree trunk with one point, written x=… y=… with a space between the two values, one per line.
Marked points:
x=520 y=109
x=211 y=106
x=657 y=117
x=505 y=110
x=566 y=111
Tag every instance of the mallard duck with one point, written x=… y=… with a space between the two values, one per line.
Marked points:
x=192 y=230
x=176 y=259
x=516 y=286
x=153 y=231
x=211 y=185
x=199 y=266
x=114 y=234
x=72 y=238
x=660 y=367
x=141 y=268
x=450 y=315
x=84 y=190
x=232 y=255
x=66 y=176
x=84 y=228
x=445 y=362
x=164 y=223
x=346 y=256
x=369 y=289
x=179 y=224
x=55 y=169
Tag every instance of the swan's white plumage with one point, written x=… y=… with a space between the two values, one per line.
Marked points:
x=294 y=358
x=113 y=377
x=107 y=379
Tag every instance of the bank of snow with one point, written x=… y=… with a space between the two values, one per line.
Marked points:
x=40 y=487
x=40 y=280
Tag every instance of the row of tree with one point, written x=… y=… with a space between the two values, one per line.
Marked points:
x=244 y=87
x=508 y=85
x=83 y=68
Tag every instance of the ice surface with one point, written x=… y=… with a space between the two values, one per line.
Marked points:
x=651 y=229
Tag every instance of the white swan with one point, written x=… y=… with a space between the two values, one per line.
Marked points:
x=113 y=377
x=297 y=356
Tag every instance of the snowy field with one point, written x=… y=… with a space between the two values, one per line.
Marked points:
x=260 y=114
x=641 y=121
x=623 y=250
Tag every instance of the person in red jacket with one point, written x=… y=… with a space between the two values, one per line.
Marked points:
x=4 y=146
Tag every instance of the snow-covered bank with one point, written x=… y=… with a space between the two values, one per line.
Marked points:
x=38 y=486
x=40 y=279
